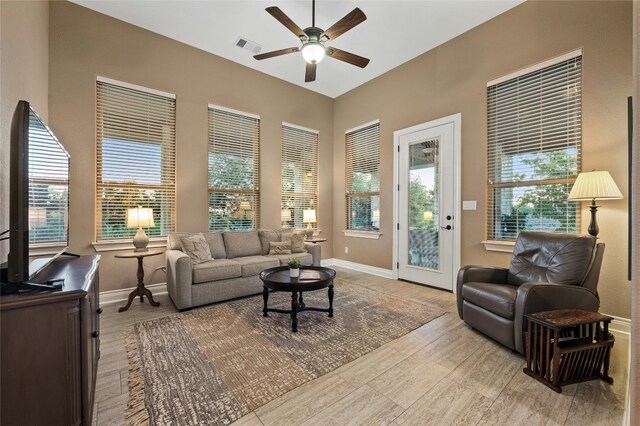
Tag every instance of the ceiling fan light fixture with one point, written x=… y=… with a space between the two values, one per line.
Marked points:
x=313 y=52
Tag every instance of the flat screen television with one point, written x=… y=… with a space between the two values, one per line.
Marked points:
x=38 y=199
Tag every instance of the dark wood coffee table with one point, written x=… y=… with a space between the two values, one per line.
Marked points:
x=311 y=278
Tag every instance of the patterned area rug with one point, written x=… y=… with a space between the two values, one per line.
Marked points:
x=215 y=364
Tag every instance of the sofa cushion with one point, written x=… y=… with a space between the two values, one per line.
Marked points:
x=551 y=257
x=305 y=258
x=214 y=270
x=196 y=247
x=297 y=241
x=253 y=265
x=268 y=236
x=173 y=240
x=496 y=298
x=216 y=244
x=280 y=247
x=242 y=243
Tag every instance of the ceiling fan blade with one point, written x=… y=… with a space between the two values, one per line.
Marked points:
x=274 y=53
x=310 y=73
x=347 y=57
x=286 y=21
x=353 y=18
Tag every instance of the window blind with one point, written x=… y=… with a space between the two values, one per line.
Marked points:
x=534 y=150
x=234 y=170
x=363 y=177
x=299 y=176
x=135 y=159
x=48 y=185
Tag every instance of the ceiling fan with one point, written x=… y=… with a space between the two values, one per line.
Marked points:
x=314 y=38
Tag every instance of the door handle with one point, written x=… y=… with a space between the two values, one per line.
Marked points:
x=448 y=227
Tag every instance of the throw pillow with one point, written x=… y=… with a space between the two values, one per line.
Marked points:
x=297 y=241
x=267 y=236
x=197 y=247
x=279 y=247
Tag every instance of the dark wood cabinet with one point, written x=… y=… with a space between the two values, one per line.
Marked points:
x=50 y=346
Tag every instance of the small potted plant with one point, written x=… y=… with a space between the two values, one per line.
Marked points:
x=294 y=267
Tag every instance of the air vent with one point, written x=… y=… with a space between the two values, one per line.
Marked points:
x=249 y=45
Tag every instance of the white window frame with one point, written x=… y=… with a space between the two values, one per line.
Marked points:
x=253 y=214
x=110 y=244
x=506 y=245
x=360 y=233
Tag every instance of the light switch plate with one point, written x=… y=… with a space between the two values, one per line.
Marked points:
x=469 y=205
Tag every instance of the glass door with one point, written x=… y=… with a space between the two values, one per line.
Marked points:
x=425 y=212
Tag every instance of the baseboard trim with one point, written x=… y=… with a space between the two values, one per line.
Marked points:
x=373 y=270
x=116 y=296
x=620 y=325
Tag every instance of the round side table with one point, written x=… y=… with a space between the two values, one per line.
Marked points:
x=140 y=290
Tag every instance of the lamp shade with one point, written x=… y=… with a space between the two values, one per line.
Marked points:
x=313 y=52
x=427 y=215
x=309 y=216
x=244 y=205
x=596 y=185
x=285 y=215
x=139 y=217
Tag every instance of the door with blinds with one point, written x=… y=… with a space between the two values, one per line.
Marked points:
x=426 y=204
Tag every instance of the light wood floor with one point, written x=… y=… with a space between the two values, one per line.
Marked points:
x=442 y=373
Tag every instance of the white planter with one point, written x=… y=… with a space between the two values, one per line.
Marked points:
x=294 y=272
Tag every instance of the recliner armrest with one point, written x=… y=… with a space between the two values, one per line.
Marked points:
x=314 y=249
x=485 y=274
x=538 y=297
x=179 y=278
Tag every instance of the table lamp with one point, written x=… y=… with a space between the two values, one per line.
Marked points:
x=596 y=185
x=309 y=217
x=375 y=216
x=242 y=209
x=139 y=217
x=285 y=216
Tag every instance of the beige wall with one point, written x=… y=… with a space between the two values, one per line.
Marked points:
x=452 y=78
x=24 y=75
x=84 y=44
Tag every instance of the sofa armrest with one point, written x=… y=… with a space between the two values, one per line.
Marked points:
x=538 y=297
x=314 y=250
x=474 y=273
x=179 y=278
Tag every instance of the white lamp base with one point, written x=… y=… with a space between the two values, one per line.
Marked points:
x=140 y=241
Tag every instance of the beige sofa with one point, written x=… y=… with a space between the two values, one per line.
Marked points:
x=238 y=259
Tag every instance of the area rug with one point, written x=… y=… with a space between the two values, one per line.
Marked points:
x=215 y=364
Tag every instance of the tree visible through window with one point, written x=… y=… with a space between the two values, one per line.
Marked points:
x=534 y=127
x=363 y=178
x=135 y=158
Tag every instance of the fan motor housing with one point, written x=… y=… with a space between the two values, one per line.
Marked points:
x=315 y=34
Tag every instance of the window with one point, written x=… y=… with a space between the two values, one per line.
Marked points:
x=234 y=170
x=534 y=149
x=135 y=133
x=299 y=173
x=363 y=178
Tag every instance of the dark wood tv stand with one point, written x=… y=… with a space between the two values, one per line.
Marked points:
x=51 y=346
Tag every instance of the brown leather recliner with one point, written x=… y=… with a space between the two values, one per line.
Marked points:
x=548 y=271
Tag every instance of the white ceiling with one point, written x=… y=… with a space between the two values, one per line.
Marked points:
x=394 y=32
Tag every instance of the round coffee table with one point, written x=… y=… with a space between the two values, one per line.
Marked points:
x=311 y=278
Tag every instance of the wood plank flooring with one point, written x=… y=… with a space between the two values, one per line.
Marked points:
x=443 y=373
